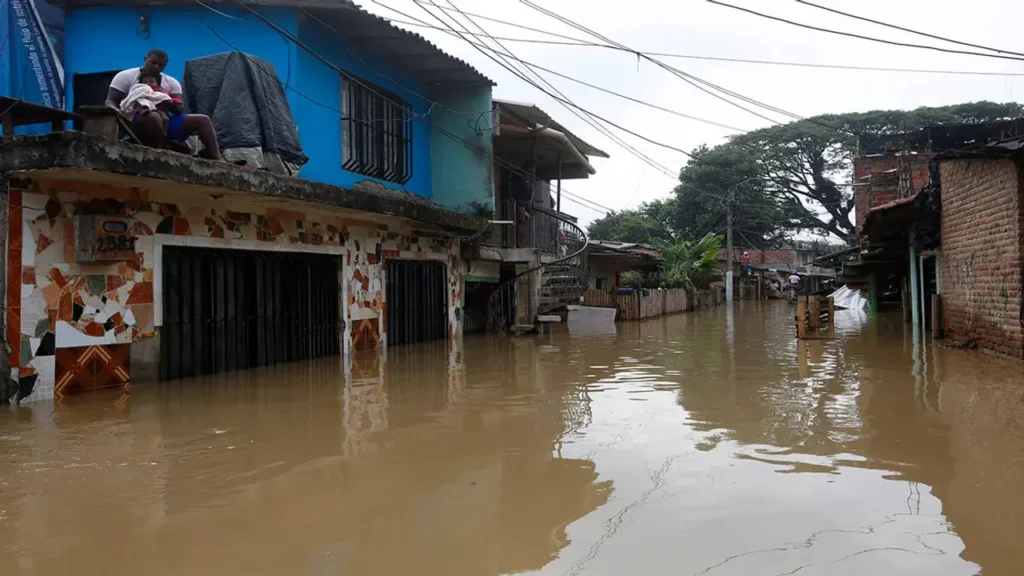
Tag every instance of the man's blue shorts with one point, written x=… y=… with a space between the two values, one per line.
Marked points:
x=174 y=130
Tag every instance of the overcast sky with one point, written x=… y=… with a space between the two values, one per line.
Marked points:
x=697 y=27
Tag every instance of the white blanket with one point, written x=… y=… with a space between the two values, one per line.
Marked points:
x=142 y=97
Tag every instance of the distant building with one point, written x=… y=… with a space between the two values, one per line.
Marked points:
x=607 y=260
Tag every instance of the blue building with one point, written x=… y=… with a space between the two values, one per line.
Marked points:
x=441 y=105
x=126 y=264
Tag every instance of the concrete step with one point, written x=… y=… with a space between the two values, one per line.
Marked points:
x=523 y=328
x=561 y=288
x=550 y=300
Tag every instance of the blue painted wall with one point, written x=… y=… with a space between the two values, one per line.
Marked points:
x=321 y=127
x=110 y=38
x=101 y=39
x=464 y=181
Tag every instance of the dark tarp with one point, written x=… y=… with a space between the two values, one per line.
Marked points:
x=244 y=97
x=927 y=227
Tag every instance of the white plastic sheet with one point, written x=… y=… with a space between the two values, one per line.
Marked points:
x=849 y=299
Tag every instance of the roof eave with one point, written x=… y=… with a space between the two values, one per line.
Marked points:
x=455 y=72
x=83 y=151
x=517 y=109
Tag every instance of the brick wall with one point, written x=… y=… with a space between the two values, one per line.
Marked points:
x=983 y=254
x=883 y=175
x=756 y=256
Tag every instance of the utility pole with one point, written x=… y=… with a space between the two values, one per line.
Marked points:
x=729 y=198
x=728 y=246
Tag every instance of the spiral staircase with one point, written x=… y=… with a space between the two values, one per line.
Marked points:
x=562 y=245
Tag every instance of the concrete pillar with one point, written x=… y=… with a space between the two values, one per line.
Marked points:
x=915 y=290
x=536 y=284
x=873 y=293
x=922 y=291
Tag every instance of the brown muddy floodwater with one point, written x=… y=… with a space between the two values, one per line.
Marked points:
x=699 y=444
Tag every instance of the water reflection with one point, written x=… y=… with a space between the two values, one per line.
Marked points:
x=380 y=467
x=706 y=443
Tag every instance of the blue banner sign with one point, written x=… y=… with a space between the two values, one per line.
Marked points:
x=34 y=63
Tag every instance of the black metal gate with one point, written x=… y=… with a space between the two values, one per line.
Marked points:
x=230 y=310
x=417 y=301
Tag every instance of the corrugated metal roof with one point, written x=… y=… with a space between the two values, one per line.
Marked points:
x=533 y=115
x=624 y=248
x=999 y=148
x=405 y=50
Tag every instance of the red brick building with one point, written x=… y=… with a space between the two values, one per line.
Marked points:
x=982 y=262
x=884 y=178
x=942 y=214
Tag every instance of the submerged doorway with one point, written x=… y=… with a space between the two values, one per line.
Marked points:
x=417 y=301
x=227 y=310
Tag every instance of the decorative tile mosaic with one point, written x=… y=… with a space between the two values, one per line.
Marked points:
x=365 y=334
x=56 y=303
x=92 y=368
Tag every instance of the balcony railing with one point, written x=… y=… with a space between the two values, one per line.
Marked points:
x=503 y=236
x=545 y=229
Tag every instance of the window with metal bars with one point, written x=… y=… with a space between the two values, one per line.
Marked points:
x=376 y=132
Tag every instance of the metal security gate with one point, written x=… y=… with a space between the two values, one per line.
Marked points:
x=417 y=301
x=229 y=310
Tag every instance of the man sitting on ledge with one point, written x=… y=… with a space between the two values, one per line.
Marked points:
x=151 y=129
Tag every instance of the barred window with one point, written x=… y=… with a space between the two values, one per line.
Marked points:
x=376 y=132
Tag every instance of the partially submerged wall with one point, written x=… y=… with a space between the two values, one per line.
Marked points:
x=60 y=310
x=637 y=305
x=983 y=254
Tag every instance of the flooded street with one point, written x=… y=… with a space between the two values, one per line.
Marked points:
x=710 y=443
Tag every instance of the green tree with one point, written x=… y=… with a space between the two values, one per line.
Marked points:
x=650 y=222
x=689 y=264
x=720 y=175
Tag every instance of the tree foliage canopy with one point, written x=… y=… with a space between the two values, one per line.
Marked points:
x=783 y=179
x=650 y=222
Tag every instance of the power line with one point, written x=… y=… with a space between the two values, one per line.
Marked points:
x=602 y=211
x=677 y=71
x=901 y=28
x=831 y=66
x=636 y=100
x=591 y=118
x=515 y=25
x=577 y=196
x=860 y=36
x=689 y=78
x=612 y=92
x=586 y=44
